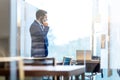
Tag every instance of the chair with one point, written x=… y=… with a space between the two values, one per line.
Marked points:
x=96 y=69
x=92 y=62
x=118 y=71
x=20 y=65
x=67 y=61
x=41 y=61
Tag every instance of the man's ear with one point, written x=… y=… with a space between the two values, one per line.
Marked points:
x=41 y=19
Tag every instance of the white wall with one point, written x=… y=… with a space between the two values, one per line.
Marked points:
x=115 y=34
x=4 y=27
x=4 y=18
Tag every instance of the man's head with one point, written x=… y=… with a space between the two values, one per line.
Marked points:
x=41 y=15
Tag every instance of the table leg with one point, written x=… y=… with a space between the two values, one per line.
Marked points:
x=66 y=78
x=53 y=77
x=77 y=77
x=56 y=78
x=7 y=78
x=83 y=76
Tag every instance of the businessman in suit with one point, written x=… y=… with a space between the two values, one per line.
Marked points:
x=38 y=31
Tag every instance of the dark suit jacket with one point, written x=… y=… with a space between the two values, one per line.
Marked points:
x=39 y=39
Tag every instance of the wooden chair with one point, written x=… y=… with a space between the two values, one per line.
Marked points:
x=20 y=64
x=41 y=61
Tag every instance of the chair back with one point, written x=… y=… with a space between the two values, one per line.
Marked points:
x=41 y=61
x=20 y=65
x=67 y=61
x=83 y=54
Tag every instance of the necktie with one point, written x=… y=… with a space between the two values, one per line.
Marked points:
x=42 y=27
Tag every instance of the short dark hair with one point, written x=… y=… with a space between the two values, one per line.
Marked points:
x=40 y=13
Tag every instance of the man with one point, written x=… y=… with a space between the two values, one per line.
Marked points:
x=38 y=30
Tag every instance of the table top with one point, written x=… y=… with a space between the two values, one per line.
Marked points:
x=49 y=70
x=54 y=70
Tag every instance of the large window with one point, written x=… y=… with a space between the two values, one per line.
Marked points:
x=76 y=25
x=70 y=24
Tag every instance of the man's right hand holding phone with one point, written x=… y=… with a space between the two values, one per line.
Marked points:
x=45 y=23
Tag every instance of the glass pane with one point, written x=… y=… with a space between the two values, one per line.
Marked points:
x=70 y=26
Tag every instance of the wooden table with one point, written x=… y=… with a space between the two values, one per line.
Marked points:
x=36 y=71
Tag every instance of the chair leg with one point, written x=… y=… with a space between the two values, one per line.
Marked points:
x=71 y=77
x=101 y=73
x=66 y=78
x=7 y=78
x=91 y=77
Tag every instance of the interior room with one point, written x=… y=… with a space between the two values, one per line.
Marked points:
x=85 y=31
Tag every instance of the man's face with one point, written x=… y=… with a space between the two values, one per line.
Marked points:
x=43 y=19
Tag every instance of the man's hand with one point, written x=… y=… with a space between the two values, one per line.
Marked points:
x=45 y=23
